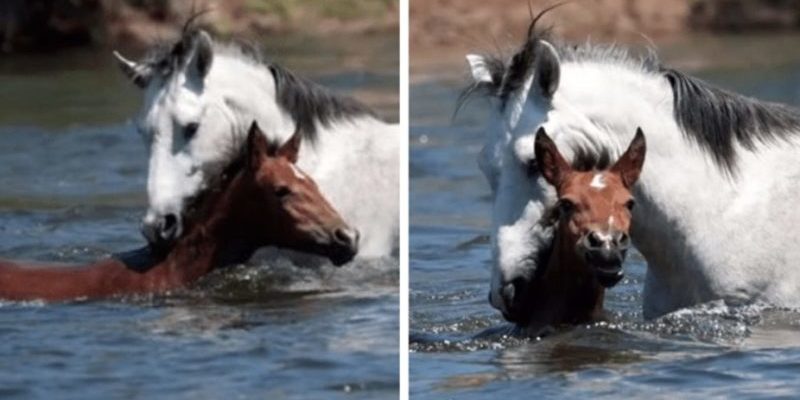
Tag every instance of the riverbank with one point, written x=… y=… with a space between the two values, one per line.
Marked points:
x=33 y=25
x=443 y=31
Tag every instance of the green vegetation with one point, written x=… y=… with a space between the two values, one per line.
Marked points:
x=339 y=9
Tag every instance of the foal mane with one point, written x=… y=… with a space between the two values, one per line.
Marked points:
x=713 y=118
x=307 y=102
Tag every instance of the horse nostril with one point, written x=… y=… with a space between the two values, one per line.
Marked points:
x=169 y=226
x=593 y=240
x=509 y=293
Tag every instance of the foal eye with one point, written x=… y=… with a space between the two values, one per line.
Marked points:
x=189 y=131
x=565 y=207
x=282 y=192
x=629 y=204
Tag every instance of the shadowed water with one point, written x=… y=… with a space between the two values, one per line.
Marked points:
x=462 y=348
x=72 y=189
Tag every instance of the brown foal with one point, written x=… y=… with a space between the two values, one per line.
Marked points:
x=592 y=220
x=262 y=200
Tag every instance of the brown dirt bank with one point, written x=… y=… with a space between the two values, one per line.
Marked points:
x=440 y=28
x=48 y=24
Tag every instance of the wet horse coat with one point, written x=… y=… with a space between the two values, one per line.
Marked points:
x=200 y=97
x=712 y=218
x=233 y=221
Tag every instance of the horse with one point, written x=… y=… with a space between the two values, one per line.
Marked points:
x=710 y=221
x=591 y=221
x=262 y=199
x=199 y=98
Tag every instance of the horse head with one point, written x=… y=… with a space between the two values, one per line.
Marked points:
x=197 y=108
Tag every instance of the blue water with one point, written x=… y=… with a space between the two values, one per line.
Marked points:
x=709 y=351
x=72 y=189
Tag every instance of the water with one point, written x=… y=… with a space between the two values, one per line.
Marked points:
x=72 y=189
x=708 y=351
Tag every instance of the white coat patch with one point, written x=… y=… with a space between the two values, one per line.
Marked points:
x=598 y=182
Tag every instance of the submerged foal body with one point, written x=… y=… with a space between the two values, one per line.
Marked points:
x=592 y=220
x=266 y=202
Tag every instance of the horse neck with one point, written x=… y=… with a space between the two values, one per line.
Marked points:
x=572 y=293
x=219 y=237
x=673 y=187
x=248 y=90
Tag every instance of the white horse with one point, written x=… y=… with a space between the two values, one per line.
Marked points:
x=714 y=217
x=200 y=98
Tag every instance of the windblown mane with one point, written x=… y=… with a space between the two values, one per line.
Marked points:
x=717 y=119
x=713 y=118
x=308 y=103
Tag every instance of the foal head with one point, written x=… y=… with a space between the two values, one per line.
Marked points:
x=277 y=204
x=592 y=219
x=594 y=207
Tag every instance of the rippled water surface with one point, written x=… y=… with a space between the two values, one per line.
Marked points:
x=72 y=189
x=710 y=350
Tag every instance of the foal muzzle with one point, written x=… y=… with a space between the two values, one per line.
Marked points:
x=345 y=245
x=605 y=253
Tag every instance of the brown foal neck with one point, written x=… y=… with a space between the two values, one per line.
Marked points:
x=567 y=291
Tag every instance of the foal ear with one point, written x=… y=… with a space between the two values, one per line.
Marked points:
x=257 y=147
x=548 y=69
x=138 y=73
x=629 y=165
x=552 y=165
x=291 y=148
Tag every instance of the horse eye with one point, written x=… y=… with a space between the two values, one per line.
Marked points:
x=629 y=204
x=532 y=167
x=282 y=192
x=189 y=131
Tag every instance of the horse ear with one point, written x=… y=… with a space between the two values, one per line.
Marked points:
x=291 y=148
x=202 y=55
x=257 y=146
x=479 y=69
x=629 y=165
x=552 y=165
x=138 y=73
x=548 y=69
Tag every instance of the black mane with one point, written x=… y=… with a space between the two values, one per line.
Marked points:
x=717 y=119
x=308 y=103
x=713 y=118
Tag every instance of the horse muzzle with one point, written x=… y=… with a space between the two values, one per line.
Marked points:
x=161 y=232
x=513 y=300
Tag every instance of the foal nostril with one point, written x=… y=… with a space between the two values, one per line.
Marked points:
x=593 y=240
x=623 y=239
x=346 y=236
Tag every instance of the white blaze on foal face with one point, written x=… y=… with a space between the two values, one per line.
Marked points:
x=598 y=181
